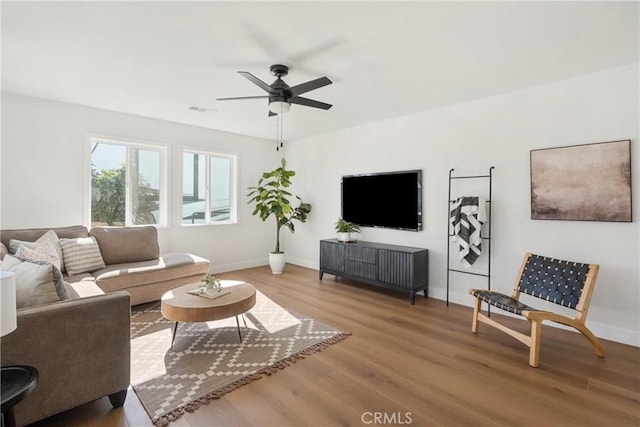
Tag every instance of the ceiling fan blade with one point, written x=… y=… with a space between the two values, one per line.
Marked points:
x=257 y=81
x=242 y=97
x=310 y=85
x=271 y=113
x=310 y=102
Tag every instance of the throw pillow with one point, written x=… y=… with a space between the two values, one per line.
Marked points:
x=3 y=251
x=50 y=236
x=81 y=255
x=41 y=252
x=37 y=282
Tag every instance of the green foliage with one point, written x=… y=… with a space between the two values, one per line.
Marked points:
x=343 y=226
x=147 y=201
x=212 y=282
x=271 y=198
x=108 y=198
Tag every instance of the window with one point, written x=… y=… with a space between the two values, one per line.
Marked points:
x=127 y=183
x=208 y=188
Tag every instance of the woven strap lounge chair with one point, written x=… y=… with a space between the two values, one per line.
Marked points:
x=569 y=284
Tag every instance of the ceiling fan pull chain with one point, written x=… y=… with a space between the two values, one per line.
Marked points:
x=281 y=118
x=277 y=133
x=279 y=129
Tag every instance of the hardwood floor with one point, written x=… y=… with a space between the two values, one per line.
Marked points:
x=409 y=365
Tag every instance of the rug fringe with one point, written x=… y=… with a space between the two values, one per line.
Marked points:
x=164 y=420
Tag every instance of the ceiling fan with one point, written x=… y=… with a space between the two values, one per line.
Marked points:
x=281 y=95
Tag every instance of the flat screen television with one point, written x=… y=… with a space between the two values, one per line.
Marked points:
x=388 y=200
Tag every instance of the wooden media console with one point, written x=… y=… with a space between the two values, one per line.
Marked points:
x=401 y=268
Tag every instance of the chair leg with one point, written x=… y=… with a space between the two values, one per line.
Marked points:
x=592 y=339
x=476 y=310
x=534 y=352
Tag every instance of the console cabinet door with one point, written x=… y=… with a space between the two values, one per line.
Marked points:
x=332 y=257
x=395 y=268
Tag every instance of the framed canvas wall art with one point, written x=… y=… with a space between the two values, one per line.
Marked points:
x=590 y=182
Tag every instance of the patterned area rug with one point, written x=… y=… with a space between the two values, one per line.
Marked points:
x=208 y=360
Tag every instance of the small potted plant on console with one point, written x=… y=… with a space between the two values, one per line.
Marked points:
x=345 y=230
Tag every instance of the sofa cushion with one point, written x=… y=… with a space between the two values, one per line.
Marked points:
x=82 y=277
x=36 y=282
x=167 y=267
x=127 y=244
x=83 y=288
x=81 y=255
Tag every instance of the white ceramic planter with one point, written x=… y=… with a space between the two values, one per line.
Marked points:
x=276 y=262
x=344 y=237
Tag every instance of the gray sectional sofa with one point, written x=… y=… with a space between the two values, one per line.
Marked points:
x=81 y=346
x=132 y=258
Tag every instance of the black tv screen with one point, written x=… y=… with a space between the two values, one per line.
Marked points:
x=389 y=200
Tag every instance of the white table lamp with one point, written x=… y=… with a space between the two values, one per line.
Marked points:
x=8 y=322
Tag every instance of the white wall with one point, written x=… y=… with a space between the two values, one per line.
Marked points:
x=498 y=131
x=43 y=166
x=42 y=175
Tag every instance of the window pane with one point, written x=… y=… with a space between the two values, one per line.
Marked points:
x=193 y=188
x=220 y=189
x=145 y=186
x=108 y=177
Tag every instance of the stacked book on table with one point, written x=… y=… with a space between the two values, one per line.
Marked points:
x=209 y=293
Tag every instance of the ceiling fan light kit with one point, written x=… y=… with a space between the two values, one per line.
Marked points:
x=279 y=107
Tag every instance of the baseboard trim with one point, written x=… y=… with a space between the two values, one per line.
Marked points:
x=606 y=332
x=303 y=263
x=223 y=268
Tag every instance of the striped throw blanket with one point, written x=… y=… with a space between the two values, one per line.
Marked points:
x=467 y=216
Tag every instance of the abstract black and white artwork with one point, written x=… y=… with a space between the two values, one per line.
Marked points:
x=590 y=182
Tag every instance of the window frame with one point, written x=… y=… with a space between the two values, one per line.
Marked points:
x=233 y=186
x=129 y=144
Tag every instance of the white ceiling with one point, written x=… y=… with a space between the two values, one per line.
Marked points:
x=386 y=59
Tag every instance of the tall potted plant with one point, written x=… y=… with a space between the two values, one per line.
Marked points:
x=271 y=198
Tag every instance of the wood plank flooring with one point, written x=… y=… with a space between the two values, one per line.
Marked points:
x=409 y=365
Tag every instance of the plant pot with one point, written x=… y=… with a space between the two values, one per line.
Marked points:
x=345 y=237
x=276 y=262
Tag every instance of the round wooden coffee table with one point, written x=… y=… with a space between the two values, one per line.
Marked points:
x=180 y=306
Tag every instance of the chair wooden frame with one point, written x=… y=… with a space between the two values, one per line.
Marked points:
x=536 y=317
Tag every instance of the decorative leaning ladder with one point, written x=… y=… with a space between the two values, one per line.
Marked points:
x=487 y=239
